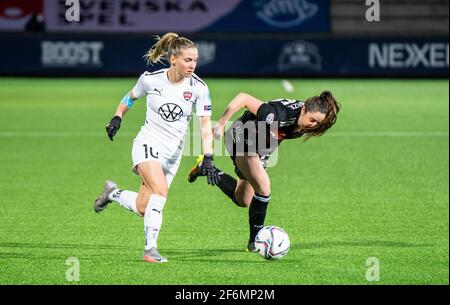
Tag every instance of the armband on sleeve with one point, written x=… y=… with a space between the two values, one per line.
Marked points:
x=127 y=101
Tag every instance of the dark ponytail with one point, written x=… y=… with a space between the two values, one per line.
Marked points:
x=327 y=104
x=326 y=96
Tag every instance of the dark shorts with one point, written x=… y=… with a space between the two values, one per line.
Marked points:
x=264 y=160
x=249 y=139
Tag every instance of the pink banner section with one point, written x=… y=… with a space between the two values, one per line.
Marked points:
x=137 y=16
x=14 y=14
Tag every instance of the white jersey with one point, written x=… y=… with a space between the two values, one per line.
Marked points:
x=170 y=108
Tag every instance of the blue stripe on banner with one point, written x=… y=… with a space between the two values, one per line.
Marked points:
x=59 y=55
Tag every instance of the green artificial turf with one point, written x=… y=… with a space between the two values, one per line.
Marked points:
x=375 y=186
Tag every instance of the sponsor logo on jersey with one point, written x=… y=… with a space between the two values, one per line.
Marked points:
x=156 y=91
x=269 y=118
x=295 y=106
x=170 y=112
x=187 y=95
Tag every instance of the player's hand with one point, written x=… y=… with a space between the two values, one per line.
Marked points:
x=113 y=126
x=218 y=131
x=209 y=170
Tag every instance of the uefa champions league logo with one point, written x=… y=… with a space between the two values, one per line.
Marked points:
x=285 y=13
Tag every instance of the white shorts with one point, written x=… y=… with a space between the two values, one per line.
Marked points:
x=148 y=150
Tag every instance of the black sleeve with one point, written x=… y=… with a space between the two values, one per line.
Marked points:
x=267 y=113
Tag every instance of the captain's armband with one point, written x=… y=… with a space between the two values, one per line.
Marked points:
x=127 y=100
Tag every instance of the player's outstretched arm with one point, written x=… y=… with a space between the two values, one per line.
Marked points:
x=208 y=167
x=207 y=137
x=240 y=101
x=123 y=107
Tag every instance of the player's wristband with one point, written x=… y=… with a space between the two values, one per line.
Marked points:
x=127 y=101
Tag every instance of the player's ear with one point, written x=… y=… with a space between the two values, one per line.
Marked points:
x=172 y=60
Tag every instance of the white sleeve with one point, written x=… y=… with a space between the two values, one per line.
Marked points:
x=203 y=103
x=140 y=89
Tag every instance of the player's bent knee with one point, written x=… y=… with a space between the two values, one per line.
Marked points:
x=263 y=191
x=163 y=192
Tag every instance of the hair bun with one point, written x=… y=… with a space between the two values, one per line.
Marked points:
x=326 y=96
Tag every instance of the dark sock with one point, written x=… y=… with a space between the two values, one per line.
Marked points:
x=228 y=185
x=257 y=214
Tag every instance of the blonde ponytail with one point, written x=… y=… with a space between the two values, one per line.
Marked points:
x=167 y=45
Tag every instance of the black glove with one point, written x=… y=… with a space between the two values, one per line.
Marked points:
x=209 y=170
x=113 y=126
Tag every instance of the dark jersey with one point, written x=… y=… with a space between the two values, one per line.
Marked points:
x=262 y=133
x=284 y=113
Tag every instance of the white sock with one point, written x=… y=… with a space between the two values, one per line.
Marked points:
x=153 y=220
x=126 y=199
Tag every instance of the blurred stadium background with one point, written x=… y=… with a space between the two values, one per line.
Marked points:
x=380 y=182
x=236 y=38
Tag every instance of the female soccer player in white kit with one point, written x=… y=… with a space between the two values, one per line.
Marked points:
x=172 y=94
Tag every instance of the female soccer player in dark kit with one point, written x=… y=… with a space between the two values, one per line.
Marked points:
x=254 y=136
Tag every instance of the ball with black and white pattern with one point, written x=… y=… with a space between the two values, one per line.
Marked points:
x=272 y=242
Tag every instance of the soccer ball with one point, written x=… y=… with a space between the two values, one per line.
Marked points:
x=272 y=242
